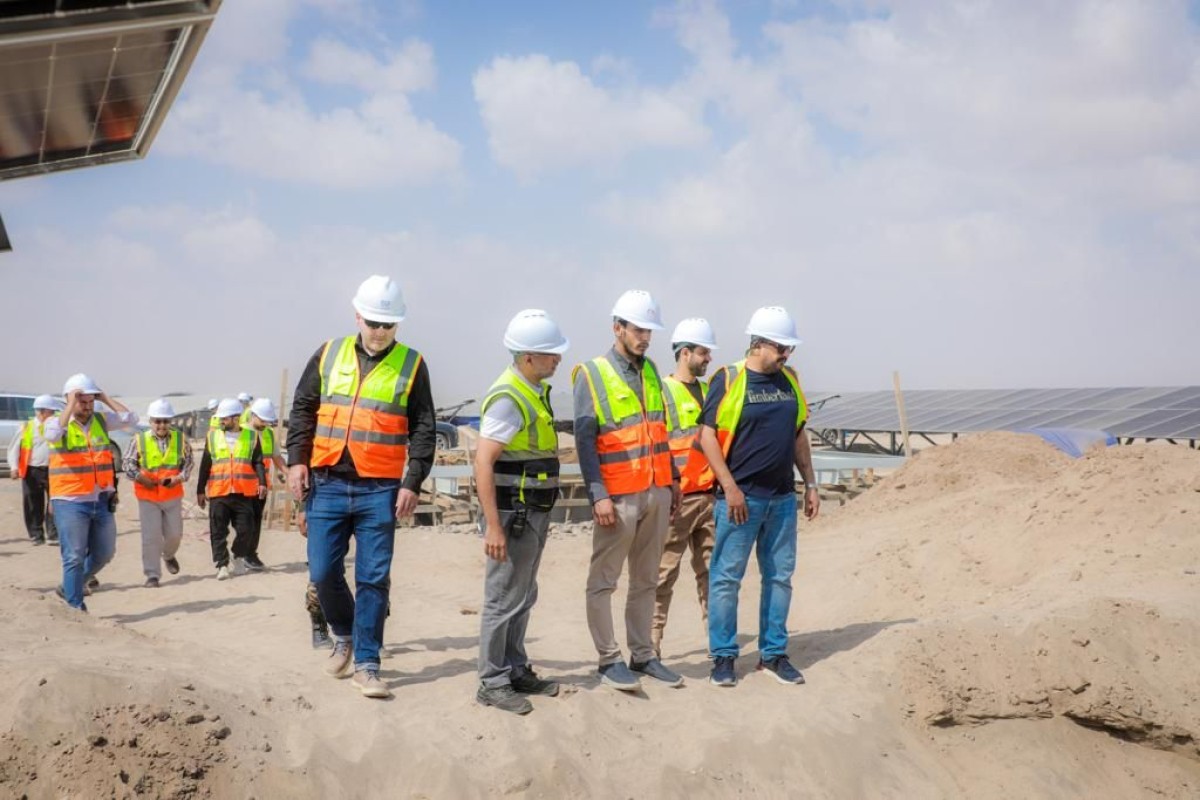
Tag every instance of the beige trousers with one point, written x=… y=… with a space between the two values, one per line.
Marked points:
x=694 y=527
x=638 y=536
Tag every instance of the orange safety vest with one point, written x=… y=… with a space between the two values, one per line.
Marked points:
x=367 y=415
x=632 y=431
x=232 y=470
x=157 y=465
x=683 y=416
x=81 y=461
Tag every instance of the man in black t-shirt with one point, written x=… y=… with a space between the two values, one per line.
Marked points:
x=752 y=432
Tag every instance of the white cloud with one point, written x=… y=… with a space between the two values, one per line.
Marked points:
x=409 y=69
x=542 y=115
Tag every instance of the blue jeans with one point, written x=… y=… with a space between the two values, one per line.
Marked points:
x=366 y=509
x=87 y=540
x=770 y=528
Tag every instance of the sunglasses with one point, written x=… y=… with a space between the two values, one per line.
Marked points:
x=783 y=350
x=373 y=325
x=160 y=422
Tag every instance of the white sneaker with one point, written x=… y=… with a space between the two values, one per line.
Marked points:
x=222 y=573
x=239 y=566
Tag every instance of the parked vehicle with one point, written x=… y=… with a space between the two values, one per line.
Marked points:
x=14 y=410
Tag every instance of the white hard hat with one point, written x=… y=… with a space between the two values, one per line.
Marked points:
x=80 y=383
x=264 y=409
x=211 y=405
x=379 y=299
x=160 y=409
x=640 y=308
x=533 y=331
x=774 y=323
x=229 y=407
x=245 y=397
x=45 y=402
x=694 y=330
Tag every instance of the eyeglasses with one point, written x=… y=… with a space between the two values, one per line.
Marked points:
x=783 y=350
x=373 y=325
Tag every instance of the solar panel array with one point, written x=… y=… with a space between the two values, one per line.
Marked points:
x=1136 y=412
x=82 y=82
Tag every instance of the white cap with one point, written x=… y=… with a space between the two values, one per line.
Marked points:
x=245 y=397
x=694 y=330
x=774 y=323
x=264 y=409
x=45 y=402
x=81 y=383
x=211 y=405
x=379 y=299
x=160 y=409
x=640 y=308
x=229 y=407
x=533 y=331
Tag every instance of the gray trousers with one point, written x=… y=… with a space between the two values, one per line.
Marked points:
x=637 y=537
x=509 y=593
x=162 y=531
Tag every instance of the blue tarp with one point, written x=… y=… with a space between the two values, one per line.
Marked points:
x=1072 y=441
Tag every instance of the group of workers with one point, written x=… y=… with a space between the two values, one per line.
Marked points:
x=670 y=464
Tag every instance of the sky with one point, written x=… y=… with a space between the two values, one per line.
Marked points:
x=977 y=194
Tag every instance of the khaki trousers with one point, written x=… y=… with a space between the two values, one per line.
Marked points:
x=162 y=531
x=638 y=537
x=694 y=527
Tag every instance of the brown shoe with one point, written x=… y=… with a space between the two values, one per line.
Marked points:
x=340 y=663
x=368 y=682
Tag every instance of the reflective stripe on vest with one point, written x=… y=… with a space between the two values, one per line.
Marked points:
x=730 y=409
x=368 y=416
x=527 y=469
x=232 y=471
x=155 y=465
x=632 y=431
x=683 y=419
x=81 y=462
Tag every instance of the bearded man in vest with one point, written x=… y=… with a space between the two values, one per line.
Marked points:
x=230 y=479
x=82 y=483
x=753 y=436
x=29 y=462
x=693 y=342
x=624 y=457
x=516 y=472
x=363 y=413
x=159 y=463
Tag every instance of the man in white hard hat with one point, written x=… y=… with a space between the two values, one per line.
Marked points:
x=752 y=432
x=516 y=472
x=360 y=442
x=82 y=483
x=621 y=438
x=693 y=343
x=159 y=463
x=29 y=462
x=262 y=421
x=230 y=479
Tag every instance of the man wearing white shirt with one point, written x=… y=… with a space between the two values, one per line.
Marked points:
x=82 y=483
x=29 y=460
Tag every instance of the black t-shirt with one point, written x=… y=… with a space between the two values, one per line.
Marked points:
x=763 y=454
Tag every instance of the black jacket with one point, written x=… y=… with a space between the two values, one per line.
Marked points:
x=422 y=423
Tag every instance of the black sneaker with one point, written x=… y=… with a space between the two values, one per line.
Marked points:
x=781 y=669
x=618 y=676
x=503 y=698
x=655 y=669
x=92 y=583
x=172 y=565
x=723 y=673
x=151 y=583
x=321 y=640
x=254 y=564
x=525 y=681
x=35 y=541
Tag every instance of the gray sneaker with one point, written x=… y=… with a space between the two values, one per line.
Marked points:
x=655 y=669
x=617 y=676
x=504 y=698
x=340 y=663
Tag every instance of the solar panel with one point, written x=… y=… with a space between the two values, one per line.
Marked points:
x=85 y=82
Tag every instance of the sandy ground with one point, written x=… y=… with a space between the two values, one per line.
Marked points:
x=992 y=621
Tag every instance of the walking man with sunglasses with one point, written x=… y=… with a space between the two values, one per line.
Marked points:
x=363 y=413
x=159 y=463
x=753 y=435
x=621 y=436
